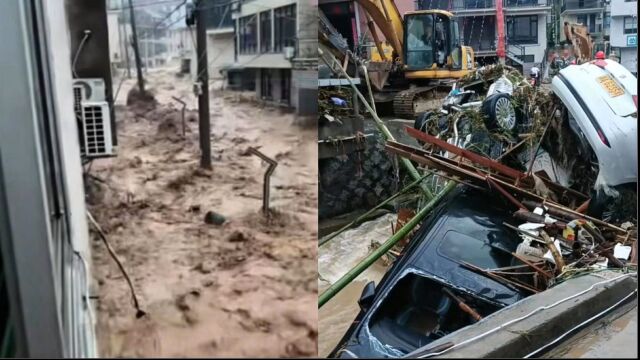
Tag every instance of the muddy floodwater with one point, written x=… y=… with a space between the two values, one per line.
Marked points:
x=337 y=257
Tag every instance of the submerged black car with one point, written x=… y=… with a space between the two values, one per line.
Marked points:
x=409 y=309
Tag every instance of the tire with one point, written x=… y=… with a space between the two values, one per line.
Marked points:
x=499 y=113
x=359 y=180
x=421 y=123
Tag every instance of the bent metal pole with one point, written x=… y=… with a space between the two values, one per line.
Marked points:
x=376 y=254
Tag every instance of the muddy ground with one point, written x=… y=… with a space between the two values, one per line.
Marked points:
x=247 y=287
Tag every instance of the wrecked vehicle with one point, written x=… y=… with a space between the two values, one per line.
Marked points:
x=582 y=133
x=413 y=304
x=601 y=99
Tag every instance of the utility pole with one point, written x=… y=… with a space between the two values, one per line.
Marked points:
x=136 y=52
x=125 y=40
x=204 y=126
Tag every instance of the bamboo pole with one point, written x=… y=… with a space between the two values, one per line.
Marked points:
x=363 y=216
x=383 y=129
x=376 y=254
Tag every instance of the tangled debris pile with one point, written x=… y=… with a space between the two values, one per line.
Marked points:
x=559 y=239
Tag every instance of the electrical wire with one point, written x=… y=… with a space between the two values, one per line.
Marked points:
x=87 y=33
x=139 y=312
x=581 y=324
x=546 y=307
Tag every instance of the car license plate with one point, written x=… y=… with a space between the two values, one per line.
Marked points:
x=610 y=86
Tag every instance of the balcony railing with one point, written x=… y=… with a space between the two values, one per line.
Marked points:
x=582 y=4
x=472 y=4
x=525 y=3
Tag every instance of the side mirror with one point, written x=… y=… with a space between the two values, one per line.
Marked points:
x=368 y=293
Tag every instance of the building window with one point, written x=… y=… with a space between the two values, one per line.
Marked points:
x=217 y=16
x=285 y=27
x=522 y=29
x=265 y=31
x=247 y=31
x=630 y=25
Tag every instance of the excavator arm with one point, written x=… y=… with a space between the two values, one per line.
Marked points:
x=386 y=16
x=578 y=36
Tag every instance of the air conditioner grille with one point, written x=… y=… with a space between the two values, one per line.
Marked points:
x=95 y=137
x=77 y=100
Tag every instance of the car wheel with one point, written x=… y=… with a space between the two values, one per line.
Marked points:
x=499 y=112
x=421 y=123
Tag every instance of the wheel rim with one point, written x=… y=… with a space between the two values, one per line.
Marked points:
x=505 y=114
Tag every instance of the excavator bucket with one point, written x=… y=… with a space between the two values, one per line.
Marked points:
x=378 y=73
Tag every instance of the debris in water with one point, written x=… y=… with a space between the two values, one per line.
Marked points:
x=213 y=218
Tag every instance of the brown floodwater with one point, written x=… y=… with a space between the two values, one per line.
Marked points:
x=337 y=257
x=614 y=336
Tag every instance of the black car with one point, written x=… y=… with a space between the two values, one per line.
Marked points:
x=409 y=309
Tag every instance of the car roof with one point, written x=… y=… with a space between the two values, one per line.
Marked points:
x=472 y=218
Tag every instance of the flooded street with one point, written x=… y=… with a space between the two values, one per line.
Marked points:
x=334 y=260
x=614 y=336
x=204 y=285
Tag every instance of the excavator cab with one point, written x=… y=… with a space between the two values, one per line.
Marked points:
x=432 y=41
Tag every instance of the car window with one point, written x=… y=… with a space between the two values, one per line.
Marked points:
x=480 y=252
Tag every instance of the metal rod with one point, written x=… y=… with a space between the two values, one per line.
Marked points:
x=387 y=245
x=505 y=193
x=529 y=263
x=267 y=178
x=463 y=306
x=363 y=216
x=379 y=123
x=139 y=312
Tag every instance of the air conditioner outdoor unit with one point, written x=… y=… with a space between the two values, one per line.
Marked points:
x=96 y=129
x=289 y=52
x=93 y=113
x=89 y=89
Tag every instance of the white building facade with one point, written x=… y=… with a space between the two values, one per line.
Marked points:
x=624 y=32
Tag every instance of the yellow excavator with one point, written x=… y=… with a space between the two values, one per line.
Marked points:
x=422 y=54
x=578 y=36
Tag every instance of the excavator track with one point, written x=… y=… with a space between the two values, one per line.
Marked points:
x=409 y=103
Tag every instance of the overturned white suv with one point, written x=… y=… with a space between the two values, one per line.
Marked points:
x=601 y=99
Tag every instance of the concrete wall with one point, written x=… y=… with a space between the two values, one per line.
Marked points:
x=219 y=52
x=629 y=59
x=304 y=91
x=624 y=8
x=115 y=48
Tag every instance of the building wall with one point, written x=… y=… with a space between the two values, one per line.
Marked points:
x=618 y=39
x=257 y=60
x=629 y=59
x=219 y=52
x=115 y=50
x=537 y=50
x=623 y=8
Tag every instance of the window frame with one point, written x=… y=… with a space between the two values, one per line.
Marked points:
x=531 y=40
x=266 y=31
x=631 y=30
x=248 y=40
x=285 y=27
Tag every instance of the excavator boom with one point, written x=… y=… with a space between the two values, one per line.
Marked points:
x=386 y=16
